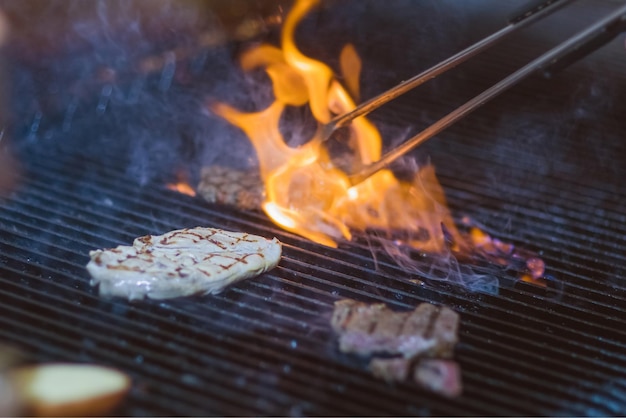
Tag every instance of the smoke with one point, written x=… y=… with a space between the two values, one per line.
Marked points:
x=443 y=267
x=128 y=81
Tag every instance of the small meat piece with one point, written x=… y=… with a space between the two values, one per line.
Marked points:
x=445 y=329
x=440 y=376
x=368 y=329
x=420 y=319
x=181 y=263
x=341 y=314
x=228 y=186
x=394 y=369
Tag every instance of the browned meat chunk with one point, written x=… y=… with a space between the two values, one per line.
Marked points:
x=367 y=329
x=228 y=186
x=413 y=338
x=390 y=369
x=440 y=376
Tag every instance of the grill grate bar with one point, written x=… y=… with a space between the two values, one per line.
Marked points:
x=62 y=338
x=134 y=223
x=463 y=193
x=388 y=265
x=508 y=401
x=392 y=301
x=32 y=342
x=340 y=275
x=364 y=282
x=551 y=236
x=313 y=367
x=166 y=361
x=523 y=350
x=474 y=189
x=475 y=331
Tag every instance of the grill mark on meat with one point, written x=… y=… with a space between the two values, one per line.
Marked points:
x=217 y=243
x=125 y=268
x=146 y=239
x=445 y=329
x=390 y=325
x=206 y=273
x=181 y=273
x=365 y=318
x=200 y=237
x=418 y=320
x=430 y=325
x=341 y=314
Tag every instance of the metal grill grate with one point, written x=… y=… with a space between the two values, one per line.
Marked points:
x=264 y=347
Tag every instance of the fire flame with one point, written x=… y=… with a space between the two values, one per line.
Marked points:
x=181 y=187
x=305 y=192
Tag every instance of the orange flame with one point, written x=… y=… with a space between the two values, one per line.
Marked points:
x=305 y=192
x=181 y=187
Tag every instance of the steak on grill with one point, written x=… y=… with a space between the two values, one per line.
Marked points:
x=411 y=338
x=182 y=263
x=368 y=329
x=228 y=186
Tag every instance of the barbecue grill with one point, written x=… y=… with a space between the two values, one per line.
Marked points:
x=541 y=167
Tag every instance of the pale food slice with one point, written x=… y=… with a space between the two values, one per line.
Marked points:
x=65 y=389
x=182 y=263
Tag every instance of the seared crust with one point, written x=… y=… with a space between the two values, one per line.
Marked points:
x=181 y=263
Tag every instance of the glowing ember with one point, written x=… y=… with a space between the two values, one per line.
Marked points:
x=181 y=187
x=305 y=192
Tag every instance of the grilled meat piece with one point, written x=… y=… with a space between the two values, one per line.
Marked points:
x=440 y=376
x=181 y=263
x=394 y=369
x=368 y=329
x=228 y=186
x=413 y=338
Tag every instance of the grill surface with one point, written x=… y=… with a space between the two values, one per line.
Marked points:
x=541 y=167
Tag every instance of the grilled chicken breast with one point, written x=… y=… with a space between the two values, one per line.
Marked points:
x=181 y=263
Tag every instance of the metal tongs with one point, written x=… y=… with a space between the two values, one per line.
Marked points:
x=549 y=63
